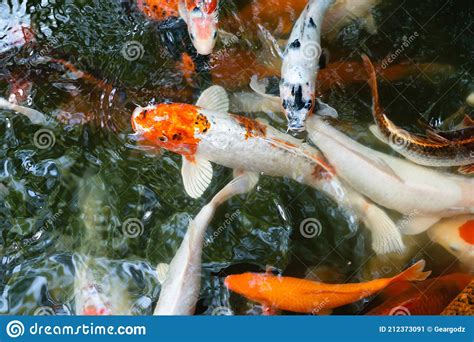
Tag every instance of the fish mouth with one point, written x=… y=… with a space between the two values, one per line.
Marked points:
x=296 y=126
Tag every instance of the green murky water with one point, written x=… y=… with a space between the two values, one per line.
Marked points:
x=71 y=197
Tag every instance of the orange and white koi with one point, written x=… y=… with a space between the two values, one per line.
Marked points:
x=201 y=17
x=307 y=296
x=456 y=235
x=207 y=132
x=432 y=150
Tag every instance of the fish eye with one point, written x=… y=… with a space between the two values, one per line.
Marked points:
x=163 y=138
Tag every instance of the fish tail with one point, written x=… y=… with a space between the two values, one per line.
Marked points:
x=5 y=104
x=413 y=273
x=35 y=116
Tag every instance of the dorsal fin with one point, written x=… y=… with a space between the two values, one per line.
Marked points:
x=214 y=98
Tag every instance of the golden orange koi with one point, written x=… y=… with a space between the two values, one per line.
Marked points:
x=307 y=296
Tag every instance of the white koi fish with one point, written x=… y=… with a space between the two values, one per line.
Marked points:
x=300 y=65
x=207 y=132
x=35 y=116
x=423 y=194
x=181 y=282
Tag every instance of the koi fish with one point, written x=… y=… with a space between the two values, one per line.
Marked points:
x=306 y=296
x=207 y=132
x=423 y=194
x=15 y=25
x=201 y=17
x=181 y=281
x=456 y=235
x=35 y=116
x=432 y=150
x=428 y=297
x=301 y=64
x=279 y=15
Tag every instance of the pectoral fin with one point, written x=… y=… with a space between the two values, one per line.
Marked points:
x=376 y=132
x=386 y=237
x=197 y=175
x=161 y=272
x=260 y=87
x=214 y=98
x=183 y=11
x=324 y=109
x=369 y=24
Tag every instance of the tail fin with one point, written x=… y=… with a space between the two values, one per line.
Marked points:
x=34 y=116
x=413 y=273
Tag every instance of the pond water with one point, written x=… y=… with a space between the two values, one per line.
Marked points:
x=67 y=193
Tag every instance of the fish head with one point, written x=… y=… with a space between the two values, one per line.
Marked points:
x=456 y=235
x=298 y=103
x=202 y=20
x=254 y=286
x=176 y=127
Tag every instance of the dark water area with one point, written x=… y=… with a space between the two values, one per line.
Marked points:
x=69 y=198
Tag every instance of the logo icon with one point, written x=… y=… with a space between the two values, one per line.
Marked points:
x=15 y=329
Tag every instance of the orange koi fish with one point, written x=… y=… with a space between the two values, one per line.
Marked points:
x=201 y=16
x=428 y=297
x=307 y=296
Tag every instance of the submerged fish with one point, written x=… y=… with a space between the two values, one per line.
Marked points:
x=423 y=194
x=301 y=64
x=15 y=25
x=201 y=17
x=306 y=296
x=456 y=235
x=432 y=150
x=279 y=15
x=182 y=280
x=428 y=297
x=207 y=132
x=35 y=116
